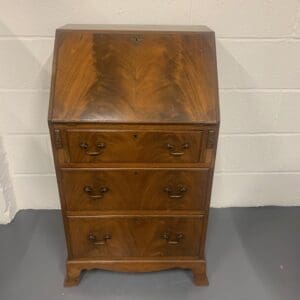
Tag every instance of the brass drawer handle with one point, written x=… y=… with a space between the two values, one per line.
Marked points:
x=85 y=146
x=167 y=236
x=92 y=238
x=181 y=190
x=90 y=191
x=173 y=151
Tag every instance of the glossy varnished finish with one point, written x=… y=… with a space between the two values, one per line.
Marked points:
x=134 y=122
x=136 y=146
x=135 y=189
x=135 y=77
x=135 y=237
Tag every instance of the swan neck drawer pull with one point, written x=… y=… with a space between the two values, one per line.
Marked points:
x=180 y=191
x=85 y=146
x=167 y=236
x=93 y=239
x=172 y=149
x=95 y=195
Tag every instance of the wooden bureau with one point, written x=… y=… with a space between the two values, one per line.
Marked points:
x=134 y=121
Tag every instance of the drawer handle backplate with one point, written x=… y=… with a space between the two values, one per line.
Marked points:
x=167 y=236
x=99 y=146
x=92 y=194
x=174 y=152
x=93 y=239
x=180 y=191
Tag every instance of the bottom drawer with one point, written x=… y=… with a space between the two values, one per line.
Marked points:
x=131 y=236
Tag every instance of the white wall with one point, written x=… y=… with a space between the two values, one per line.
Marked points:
x=258 y=45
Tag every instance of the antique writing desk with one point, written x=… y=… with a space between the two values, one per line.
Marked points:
x=134 y=121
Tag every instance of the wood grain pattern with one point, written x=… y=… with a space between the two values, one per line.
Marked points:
x=134 y=123
x=74 y=267
x=135 y=189
x=196 y=136
x=136 y=146
x=135 y=237
x=109 y=77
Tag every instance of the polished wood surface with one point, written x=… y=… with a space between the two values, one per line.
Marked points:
x=134 y=122
x=75 y=267
x=136 y=146
x=135 y=189
x=175 y=133
x=132 y=237
x=134 y=77
x=134 y=28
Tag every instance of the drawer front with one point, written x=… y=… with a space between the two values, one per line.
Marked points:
x=135 y=236
x=134 y=146
x=135 y=189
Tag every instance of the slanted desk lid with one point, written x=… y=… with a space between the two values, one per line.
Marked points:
x=145 y=74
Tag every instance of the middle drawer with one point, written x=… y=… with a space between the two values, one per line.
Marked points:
x=135 y=189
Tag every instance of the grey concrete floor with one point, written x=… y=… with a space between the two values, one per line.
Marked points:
x=252 y=254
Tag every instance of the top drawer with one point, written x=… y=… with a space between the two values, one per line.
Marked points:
x=92 y=146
